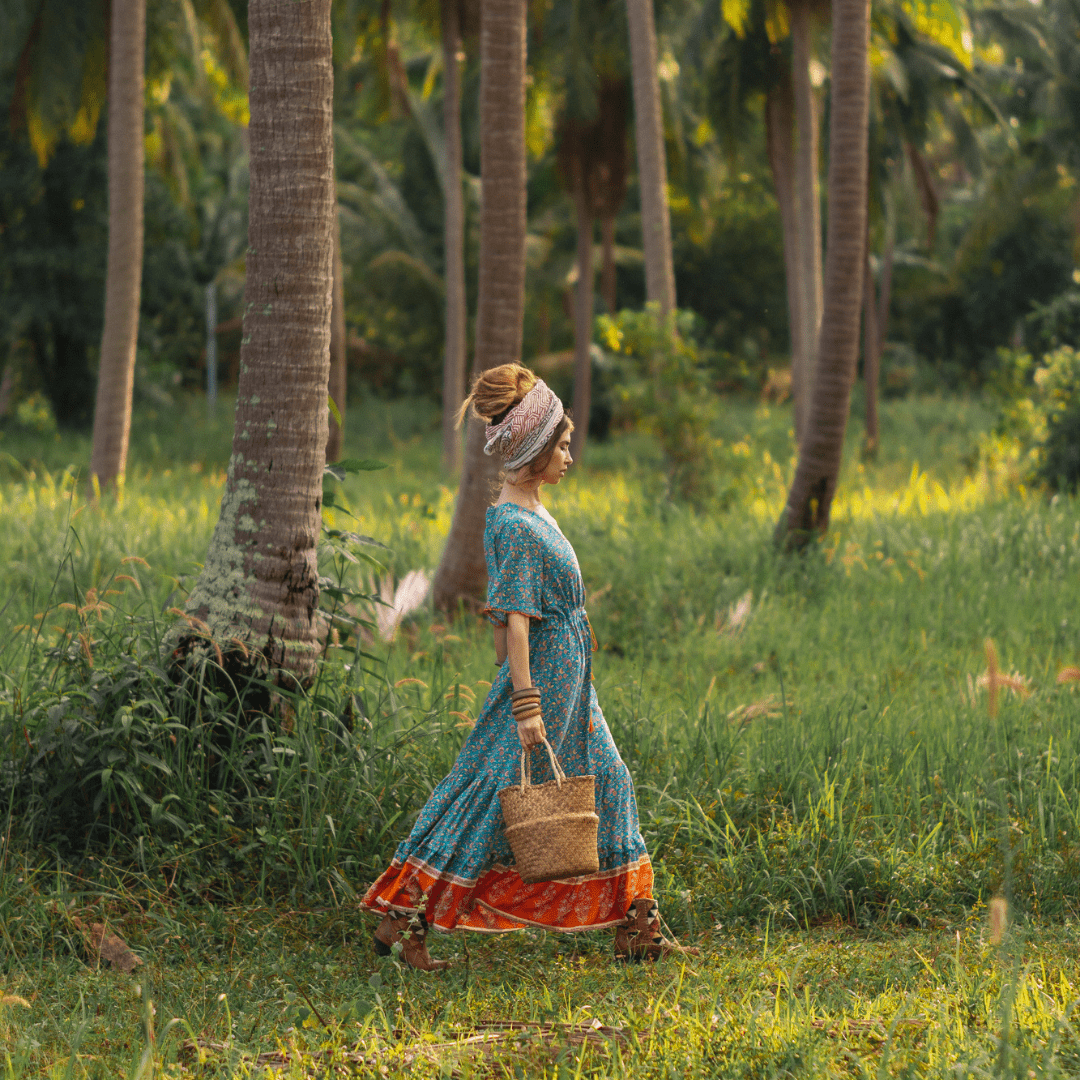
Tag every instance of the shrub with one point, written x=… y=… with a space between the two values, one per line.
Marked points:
x=664 y=390
x=1041 y=409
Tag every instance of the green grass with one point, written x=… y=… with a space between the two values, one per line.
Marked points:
x=221 y=986
x=822 y=769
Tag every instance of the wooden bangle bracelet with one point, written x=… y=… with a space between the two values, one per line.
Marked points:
x=528 y=691
x=525 y=714
x=527 y=707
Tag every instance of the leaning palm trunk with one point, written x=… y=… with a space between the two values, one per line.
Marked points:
x=583 y=310
x=258 y=595
x=462 y=576
x=338 y=383
x=809 y=210
x=652 y=165
x=453 y=239
x=818 y=470
x=123 y=278
x=779 y=132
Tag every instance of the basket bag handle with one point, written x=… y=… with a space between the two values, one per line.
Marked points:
x=526 y=767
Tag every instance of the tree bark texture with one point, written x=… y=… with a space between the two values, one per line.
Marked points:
x=259 y=589
x=462 y=575
x=123 y=277
x=583 y=312
x=807 y=161
x=780 y=142
x=871 y=358
x=453 y=239
x=338 y=383
x=818 y=469
x=652 y=163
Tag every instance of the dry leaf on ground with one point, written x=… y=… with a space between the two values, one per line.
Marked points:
x=108 y=947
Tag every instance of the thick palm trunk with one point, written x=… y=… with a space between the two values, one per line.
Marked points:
x=453 y=239
x=583 y=313
x=338 y=383
x=462 y=575
x=779 y=138
x=818 y=470
x=809 y=203
x=259 y=589
x=123 y=278
x=652 y=164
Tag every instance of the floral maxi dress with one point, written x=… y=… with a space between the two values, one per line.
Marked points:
x=456 y=865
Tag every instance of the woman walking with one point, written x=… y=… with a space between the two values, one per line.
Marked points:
x=455 y=871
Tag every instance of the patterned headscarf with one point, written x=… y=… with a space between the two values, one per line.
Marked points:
x=526 y=428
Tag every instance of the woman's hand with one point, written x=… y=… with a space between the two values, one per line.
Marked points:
x=532 y=732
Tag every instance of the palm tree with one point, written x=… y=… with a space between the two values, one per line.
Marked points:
x=809 y=209
x=652 y=164
x=816 y=475
x=257 y=596
x=453 y=237
x=461 y=575
x=123 y=276
x=338 y=381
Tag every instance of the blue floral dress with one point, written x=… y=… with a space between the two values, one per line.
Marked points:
x=456 y=864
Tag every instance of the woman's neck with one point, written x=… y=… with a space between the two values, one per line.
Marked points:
x=526 y=493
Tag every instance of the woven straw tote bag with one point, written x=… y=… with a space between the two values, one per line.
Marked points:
x=551 y=827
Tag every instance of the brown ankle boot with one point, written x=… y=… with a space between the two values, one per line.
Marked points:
x=411 y=930
x=639 y=937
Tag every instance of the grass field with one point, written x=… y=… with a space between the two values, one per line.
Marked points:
x=828 y=790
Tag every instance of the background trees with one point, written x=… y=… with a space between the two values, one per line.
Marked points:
x=969 y=126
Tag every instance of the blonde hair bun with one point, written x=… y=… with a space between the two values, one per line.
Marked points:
x=497 y=390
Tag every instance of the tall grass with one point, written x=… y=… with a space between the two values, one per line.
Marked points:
x=808 y=734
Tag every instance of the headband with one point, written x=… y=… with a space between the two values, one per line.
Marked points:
x=526 y=428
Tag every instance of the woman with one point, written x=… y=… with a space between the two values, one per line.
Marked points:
x=455 y=871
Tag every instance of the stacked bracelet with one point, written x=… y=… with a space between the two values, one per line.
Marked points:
x=525 y=704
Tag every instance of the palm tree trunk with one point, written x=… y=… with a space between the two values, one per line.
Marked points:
x=652 y=164
x=608 y=281
x=871 y=359
x=583 y=312
x=259 y=589
x=779 y=139
x=123 y=277
x=462 y=575
x=809 y=201
x=812 y=491
x=875 y=322
x=453 y=239
x=338 y=384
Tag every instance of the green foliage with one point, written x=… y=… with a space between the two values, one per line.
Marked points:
x=1017 y=254
x=663 y=389
x=1041 y=408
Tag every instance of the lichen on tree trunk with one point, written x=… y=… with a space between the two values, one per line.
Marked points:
x=256 y=600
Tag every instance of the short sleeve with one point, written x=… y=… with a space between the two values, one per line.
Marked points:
x=515 y=564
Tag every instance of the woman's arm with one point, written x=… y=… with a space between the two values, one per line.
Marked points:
x=500 y=645
x=530 y=732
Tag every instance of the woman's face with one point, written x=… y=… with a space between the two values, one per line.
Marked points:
x=560 y=461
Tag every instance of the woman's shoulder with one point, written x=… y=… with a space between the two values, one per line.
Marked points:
x=509 y=522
